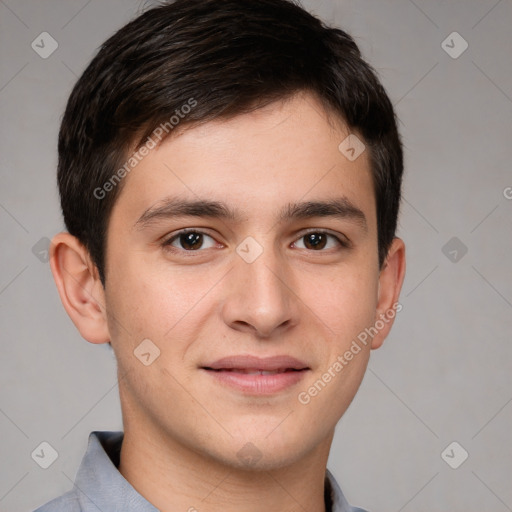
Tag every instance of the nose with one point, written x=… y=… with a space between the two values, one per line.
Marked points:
x=259 y=296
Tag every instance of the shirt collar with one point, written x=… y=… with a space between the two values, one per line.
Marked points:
x=99 y=484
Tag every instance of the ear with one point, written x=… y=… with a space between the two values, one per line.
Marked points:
x=79 y=286
x=390 y=283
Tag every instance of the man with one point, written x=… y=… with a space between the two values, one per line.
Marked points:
x=230 y=176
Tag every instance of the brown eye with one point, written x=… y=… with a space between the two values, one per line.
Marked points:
x=318 y=240
x=191 y=241
x=315 y=240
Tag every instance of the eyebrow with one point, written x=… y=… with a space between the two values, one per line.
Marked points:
x=171 y=207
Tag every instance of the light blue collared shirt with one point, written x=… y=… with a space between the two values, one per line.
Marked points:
x=100 y=487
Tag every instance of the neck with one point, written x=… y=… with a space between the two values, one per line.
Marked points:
x=173 y=477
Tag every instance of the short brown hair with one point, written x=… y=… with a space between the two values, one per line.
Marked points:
x=231 y=57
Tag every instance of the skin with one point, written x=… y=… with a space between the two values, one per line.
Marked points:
x=183 y=430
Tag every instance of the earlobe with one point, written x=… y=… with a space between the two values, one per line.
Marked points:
x=79 y=287
x=390 y=283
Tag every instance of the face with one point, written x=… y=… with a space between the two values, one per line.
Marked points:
x=276 y=257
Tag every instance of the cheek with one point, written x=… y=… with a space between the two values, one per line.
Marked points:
x=345 y=301
x=155 y=301
x=346 y=307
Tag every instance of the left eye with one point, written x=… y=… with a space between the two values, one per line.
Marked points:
x=317 y=241
x=191 y=241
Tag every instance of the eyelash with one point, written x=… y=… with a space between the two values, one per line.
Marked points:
x=167 y=243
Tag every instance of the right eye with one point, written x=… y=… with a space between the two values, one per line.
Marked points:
x=190 y=240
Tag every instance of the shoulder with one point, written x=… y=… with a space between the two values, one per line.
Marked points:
x=68 y=502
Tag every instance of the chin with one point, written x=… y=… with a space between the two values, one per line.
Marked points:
x=267 y=449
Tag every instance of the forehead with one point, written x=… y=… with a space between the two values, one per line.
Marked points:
x=255 y=162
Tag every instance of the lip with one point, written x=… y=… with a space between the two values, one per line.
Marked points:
x=249 y=362
x=232 y=371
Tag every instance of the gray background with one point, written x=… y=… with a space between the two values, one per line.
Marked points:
x=444 y=373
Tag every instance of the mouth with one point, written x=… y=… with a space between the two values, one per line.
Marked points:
x=254 y=371
x=257 y=376
x=248 y=363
